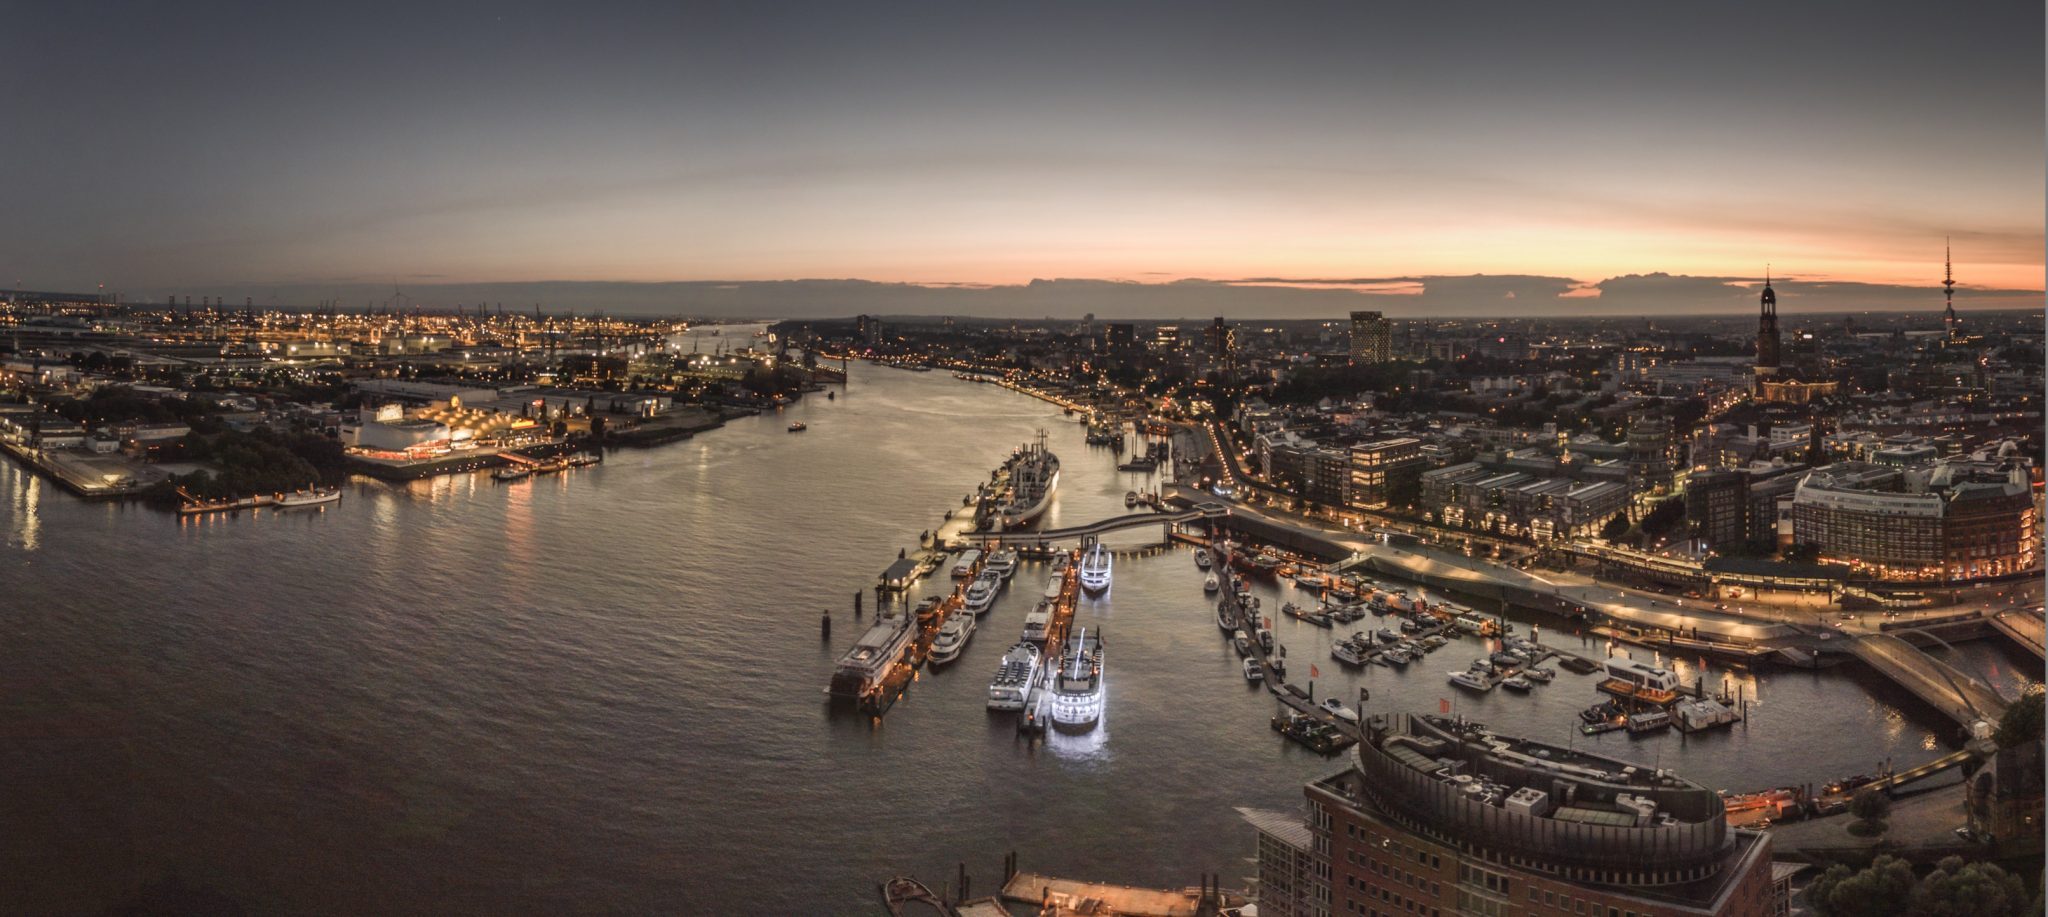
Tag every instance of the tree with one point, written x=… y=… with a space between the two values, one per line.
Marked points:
x=1664 y=517
x=1615 y=527
x=1870 y=806
x=1959 y=889
x=1802 y=553
x=1882 y=890
x=2022 y=721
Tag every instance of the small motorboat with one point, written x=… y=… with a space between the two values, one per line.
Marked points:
x=1540 y=676
x=798 y=427
x=1517 y=683
x=1130 y=499
x=1252 y=672
x=1340 y=711
x=1211 y=584
x=1242 y=641
x=1202 y=558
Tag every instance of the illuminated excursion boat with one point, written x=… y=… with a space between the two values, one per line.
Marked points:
x=860 y=672
x=1077 y=688
x=1034 y=475
x=1095 y=570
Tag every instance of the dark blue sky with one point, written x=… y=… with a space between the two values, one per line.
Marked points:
x=208 y=148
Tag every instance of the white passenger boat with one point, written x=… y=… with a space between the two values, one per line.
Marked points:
x=1077 y=687
x=1252 y=672
x=1095 y=568
x=1337 y=709
x=1014 y=677
x=1003 y=563
x=952 y=639
x=313 y=497
x=982 y=592
x=1211 y=584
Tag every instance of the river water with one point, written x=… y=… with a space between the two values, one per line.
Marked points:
x=602 y=690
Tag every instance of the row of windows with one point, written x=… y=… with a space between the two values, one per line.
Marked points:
x=1394 y=904
x=1409 y=879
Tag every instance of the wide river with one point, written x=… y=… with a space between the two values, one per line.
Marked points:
x=601 y=691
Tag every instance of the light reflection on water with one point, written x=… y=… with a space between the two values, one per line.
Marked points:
x=601 y=690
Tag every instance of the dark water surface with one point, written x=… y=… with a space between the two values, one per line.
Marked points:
x=601 y=691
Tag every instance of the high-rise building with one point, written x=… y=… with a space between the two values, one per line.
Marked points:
x=1372 y=338
x=1166 y=338
x=1220 y=340
x=1717 y=507
x=1120 y=339
x=1377 y=469
x=869 y=328
x=1439 y=816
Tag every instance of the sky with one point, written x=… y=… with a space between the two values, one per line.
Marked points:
x=1128 y=159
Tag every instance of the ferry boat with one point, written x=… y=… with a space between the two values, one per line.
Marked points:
x=1034 y=475
x=964 y=567
x=1211 y=584
x=1036 y=622
x=313 y=497
x=1095 y=570
x=512 y=473
x=1014 y=677
x=1252 y=672
x=1202 y=559
x=1077 y=689
x=862 y=669
x=982 y=592
x=1002 y=563
x=951 y=640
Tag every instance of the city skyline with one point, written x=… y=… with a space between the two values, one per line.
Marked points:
x=1000 y=162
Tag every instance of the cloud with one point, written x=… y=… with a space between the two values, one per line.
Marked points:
x=1473 y=295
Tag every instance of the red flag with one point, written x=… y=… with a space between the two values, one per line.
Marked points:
x=1443 y=705
x=1312 y=673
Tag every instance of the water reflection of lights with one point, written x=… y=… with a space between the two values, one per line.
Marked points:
x=1083 y=743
